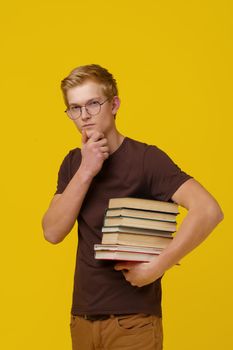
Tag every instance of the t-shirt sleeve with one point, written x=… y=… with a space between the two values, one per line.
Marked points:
x=161 y=175
x=63 y=175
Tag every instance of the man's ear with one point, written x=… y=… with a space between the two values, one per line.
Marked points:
x=115 y=104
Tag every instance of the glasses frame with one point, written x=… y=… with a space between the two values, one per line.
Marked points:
x=67 y=111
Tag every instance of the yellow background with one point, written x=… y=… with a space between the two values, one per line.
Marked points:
x=173 y=63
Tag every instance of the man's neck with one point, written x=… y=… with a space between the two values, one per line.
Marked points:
x=115 y=139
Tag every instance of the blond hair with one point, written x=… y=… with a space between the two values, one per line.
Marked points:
x=92 y=72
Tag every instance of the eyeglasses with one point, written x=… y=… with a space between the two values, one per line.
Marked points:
x=92 y=108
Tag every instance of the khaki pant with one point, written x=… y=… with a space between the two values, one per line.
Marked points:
x=128 y=332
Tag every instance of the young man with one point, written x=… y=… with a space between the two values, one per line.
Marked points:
x=117 y=305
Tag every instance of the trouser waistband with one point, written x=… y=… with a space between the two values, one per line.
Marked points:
x=99 y=317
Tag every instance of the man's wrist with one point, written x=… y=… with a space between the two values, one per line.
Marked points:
x=159 y=266
x=84 y=175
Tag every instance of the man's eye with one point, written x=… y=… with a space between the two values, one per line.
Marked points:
x=93 y=103
x=75 y=108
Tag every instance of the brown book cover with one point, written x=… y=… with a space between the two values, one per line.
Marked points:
x=140 y=223
x=125 y=253
x=135 y=230
x=143 y=204
x=143 y=214
x=136 y=240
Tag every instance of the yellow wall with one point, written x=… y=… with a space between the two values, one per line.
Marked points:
x=173 y=63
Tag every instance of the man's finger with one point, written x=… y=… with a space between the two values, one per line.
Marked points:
x=119 y=267
x=125 y=273
x=104 y=149
x=122 y=266
x=102 y=142
x=96 y=136
x=106 y=155
x=84 y=137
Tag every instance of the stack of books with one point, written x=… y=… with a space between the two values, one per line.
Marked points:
x=136 y=229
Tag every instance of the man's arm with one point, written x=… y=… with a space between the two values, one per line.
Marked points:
x=204 y=214
x=64 y=208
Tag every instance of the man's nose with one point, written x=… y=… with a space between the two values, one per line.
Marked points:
x=84 y=113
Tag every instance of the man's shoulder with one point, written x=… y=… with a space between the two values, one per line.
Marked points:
x=74 y=152
x=151 y=154
x=72 y=158
x=142 y=145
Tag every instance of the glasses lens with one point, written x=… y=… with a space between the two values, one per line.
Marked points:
x=74 y=112
x=93 y=107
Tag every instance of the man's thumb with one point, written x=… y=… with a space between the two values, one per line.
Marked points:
x=84 y=136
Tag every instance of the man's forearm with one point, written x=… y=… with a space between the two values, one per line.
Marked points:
x=204 y=214
x=62 y=213
x=196 y=226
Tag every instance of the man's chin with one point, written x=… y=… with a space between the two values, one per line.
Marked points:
x=90 y=130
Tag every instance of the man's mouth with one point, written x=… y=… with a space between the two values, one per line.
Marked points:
x=87 y=126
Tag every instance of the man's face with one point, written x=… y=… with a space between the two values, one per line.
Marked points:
x=91 y=91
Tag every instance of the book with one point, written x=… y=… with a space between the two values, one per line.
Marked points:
x=137 y=213
x=125 y=253
x=140 y=223
x=136 y=239
x=135 y=230
x=143 y=204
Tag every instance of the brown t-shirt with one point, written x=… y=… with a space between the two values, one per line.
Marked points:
x=135 y=169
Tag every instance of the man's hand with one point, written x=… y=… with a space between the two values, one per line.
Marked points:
x=204 y=213
x=94 y=152
x=64 y=208
x=139 y=273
